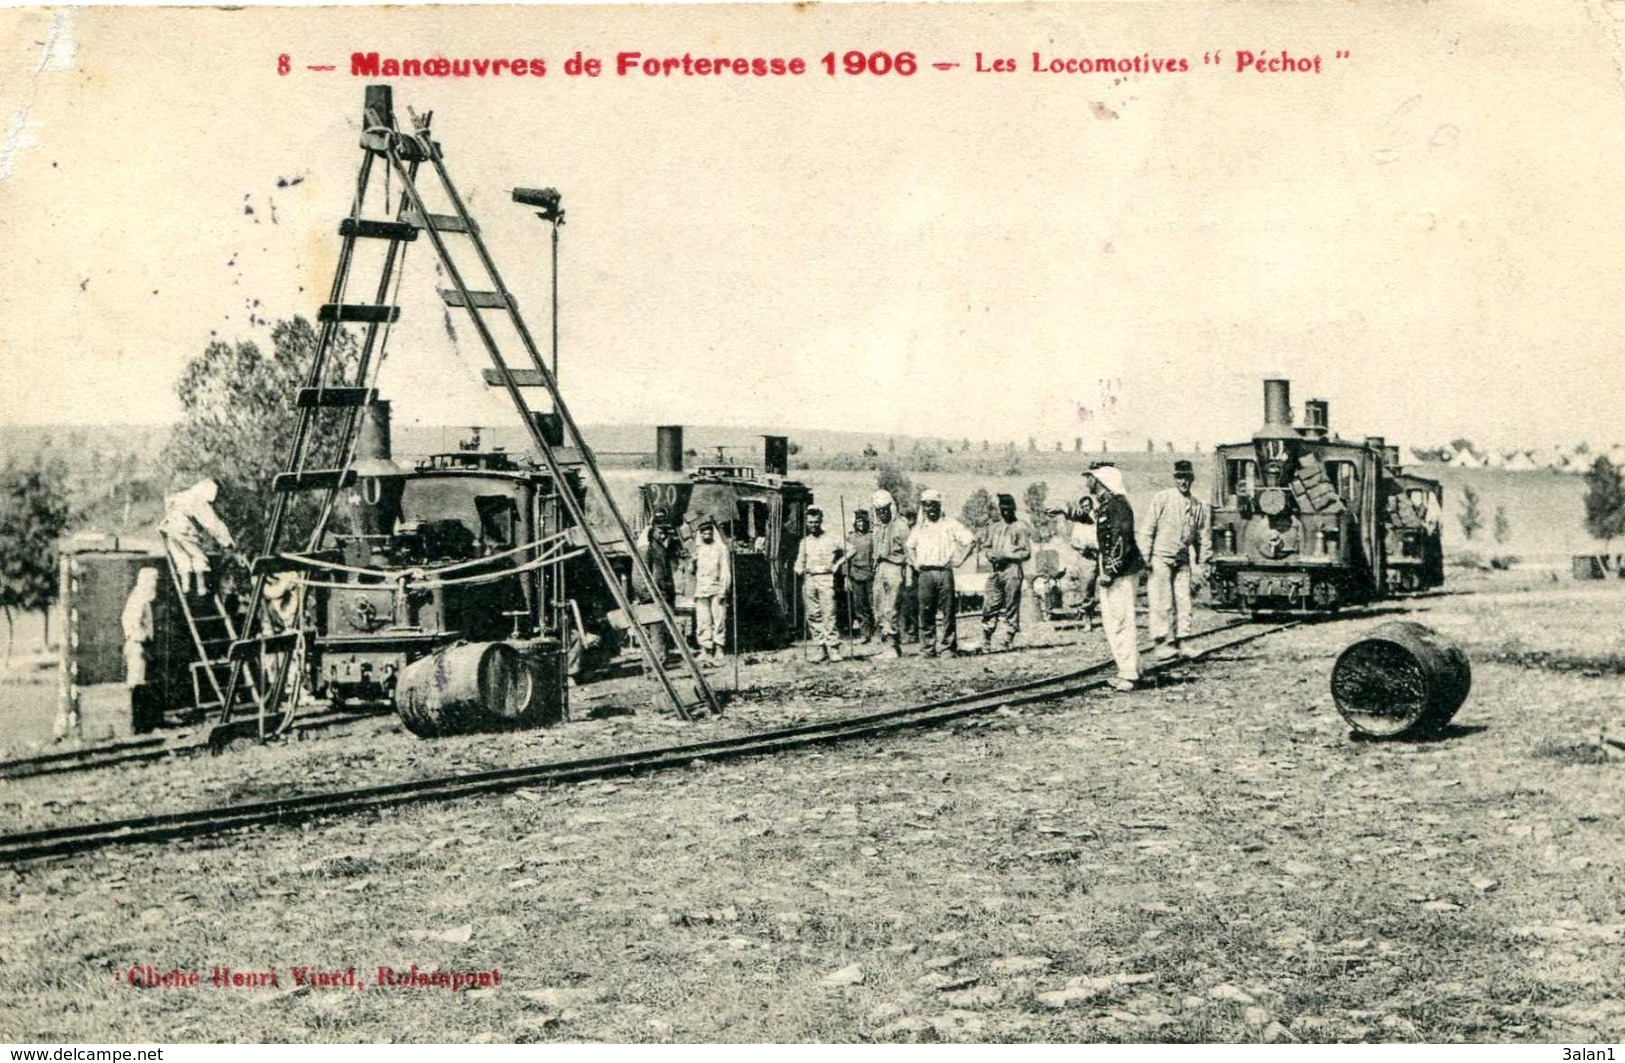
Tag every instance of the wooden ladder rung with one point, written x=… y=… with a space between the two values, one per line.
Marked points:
x=481 y=300
x=445 y=223
x=314 y=480
x=363 y=313
x=525 y=378
x=269 y=643
x=334 y=398
x=378 y=230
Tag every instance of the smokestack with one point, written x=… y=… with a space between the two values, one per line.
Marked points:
x=1277 y=402
x=669 y=448
x=1277 y=411
x=776 y=455
x=373 y=456
x=1316 y=418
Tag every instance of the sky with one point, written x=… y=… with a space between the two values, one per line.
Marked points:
x=1427 y=233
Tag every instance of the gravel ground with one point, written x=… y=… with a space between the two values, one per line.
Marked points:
x=1213 y=859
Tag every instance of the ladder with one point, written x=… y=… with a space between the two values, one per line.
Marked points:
x=213 y=634
x=404 y=153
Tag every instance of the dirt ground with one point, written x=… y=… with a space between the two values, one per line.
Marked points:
x=1214 y=859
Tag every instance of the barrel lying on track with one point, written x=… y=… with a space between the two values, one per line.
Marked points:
x=481 y=686
x=1402 y=679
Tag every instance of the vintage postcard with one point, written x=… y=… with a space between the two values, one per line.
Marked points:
x=1056 y=522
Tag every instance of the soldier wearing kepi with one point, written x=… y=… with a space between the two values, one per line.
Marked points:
x=816 y=561
x=1009 y=546
x=889 y=542
x=860 y=576
x=713 y=579
x=936 y=547
x=1174 y=537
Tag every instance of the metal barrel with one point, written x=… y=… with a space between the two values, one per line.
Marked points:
x=1403 y=679
x=480 y=686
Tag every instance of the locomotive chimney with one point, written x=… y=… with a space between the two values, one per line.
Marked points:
x=372 y=445
x=1277 y=402
x=1277 y=411
x=1316 y=418
x=669 y=448
x=776 y=455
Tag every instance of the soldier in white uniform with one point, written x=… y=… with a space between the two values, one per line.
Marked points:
x=189 y=517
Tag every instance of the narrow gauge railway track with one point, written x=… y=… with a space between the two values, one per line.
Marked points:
x=29 y=845
x=158 y=747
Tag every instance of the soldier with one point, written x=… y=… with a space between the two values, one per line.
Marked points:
x=139 y=630
x=816 y=562
x=713 y=579
x=1009 y=545
x=860 y=576
x=889 y=543
x=1120 y=565
x=936 y=547
x=661 y=550
x=188 y=517
x=1174 y=538
x=908 y=603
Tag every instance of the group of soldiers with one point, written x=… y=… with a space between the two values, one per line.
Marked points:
x=897 y=564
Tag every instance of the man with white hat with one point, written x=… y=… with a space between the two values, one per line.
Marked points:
x=1120 y=567
x=189 y=518
x=936 y=547
x=889 y=544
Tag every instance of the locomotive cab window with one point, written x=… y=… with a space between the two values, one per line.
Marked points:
x=1240 y=477
x=751 y=527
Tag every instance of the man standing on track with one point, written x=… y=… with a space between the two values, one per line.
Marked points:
x=1010 y=544
x=1175 y=535
x=1120 y=565
x=936 y=547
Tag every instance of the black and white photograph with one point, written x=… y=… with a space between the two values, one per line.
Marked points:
x=1084 y=523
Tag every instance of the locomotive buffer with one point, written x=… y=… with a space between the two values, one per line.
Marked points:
x=325 y=389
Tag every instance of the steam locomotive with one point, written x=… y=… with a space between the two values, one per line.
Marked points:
x=1306 y=521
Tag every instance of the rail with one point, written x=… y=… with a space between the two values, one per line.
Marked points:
x=56 y=841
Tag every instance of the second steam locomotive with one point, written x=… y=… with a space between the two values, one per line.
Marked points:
x=1306 y=521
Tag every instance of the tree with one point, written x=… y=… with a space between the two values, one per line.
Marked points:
x=1605 y=502
x=1032 y=444
x=1043 y=523
x=240 y=422
x=1077 y=444
x=1503 y=526
x=978 y=511
x=33 y=516
x=895 y=482
x=1470 y=516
